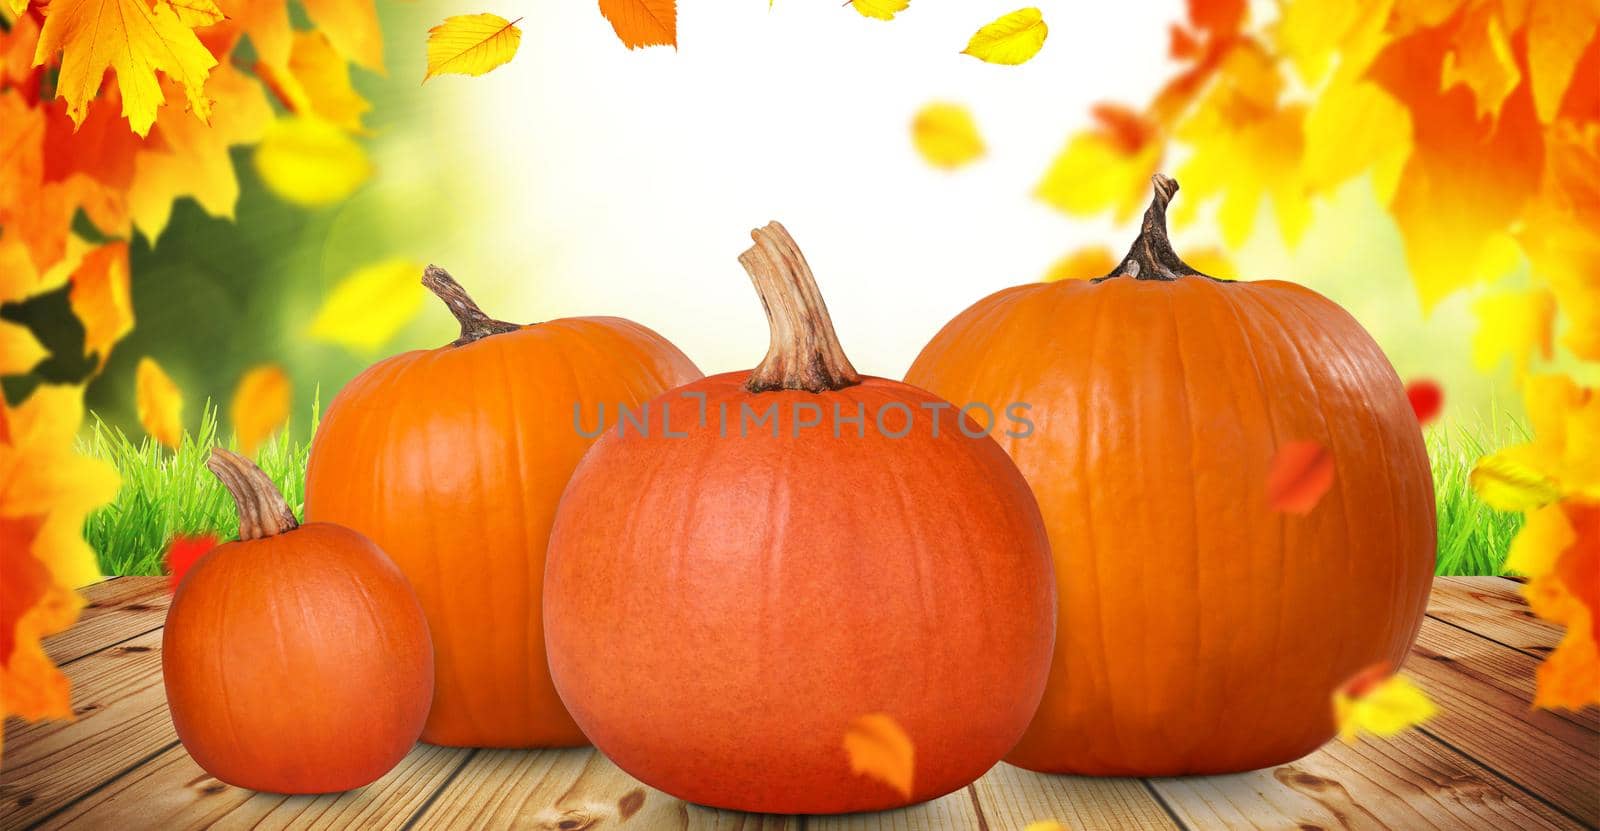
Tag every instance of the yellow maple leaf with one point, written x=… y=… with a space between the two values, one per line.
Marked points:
x=352 y=27
x=1558 y=549
x=879 y=748
x=1010 y=39
x=1351 y=128
x=1481 y=59
x=310 y=162
x=1380 y=703
x=1558 y=32
x=471 y=44
x=260 y=405
x=369 y=305
x=136 y=38
x=316 y=81
x=1082 y=264
x=1520 y=324
x=101 y=298
x=197 y=13
x=159 y=403
x=946 y=135
x=1106 y=167
x=880 y=9
x=640 y=23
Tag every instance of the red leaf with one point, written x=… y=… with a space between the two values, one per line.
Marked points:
x=1427 y=398
x=1364 y=681
x=1301 y=473
x=183 y=552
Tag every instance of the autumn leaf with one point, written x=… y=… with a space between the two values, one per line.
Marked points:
x=260 y=405
x=1519 y=324
x=316 y=81
x=880 y=9
x=640 y=23
x=197 y=13
x=351 y=26
x=159 y=403
x=1507 y=481
x=310 y=162
x=20 y=351
x=1301 y=473
x=137 y=39
x=369 y=305
x=1010 y=39
x=1211 y=261
x=101 y=298
x=182 y=554
x=1557 y=35
x=1379 y=702
x=1046 y=825
x=946 y=135
x=880 y=749
x=1427 y=399
x=471 y=44
x=1082 y=264
x=1480 y=59
x=1107 y=167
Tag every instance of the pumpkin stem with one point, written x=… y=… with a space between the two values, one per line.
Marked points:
x=475 y=325
x=1152 y=257
x=805 y=352
x=262 y=509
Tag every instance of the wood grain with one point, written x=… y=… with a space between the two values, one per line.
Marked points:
x=115 y=610
x=1011 y=797
x=1493 y=607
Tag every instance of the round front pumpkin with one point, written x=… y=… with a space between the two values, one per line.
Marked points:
x=724 y=599
x=296 y=660
x=453 y=460
x=1202 y=630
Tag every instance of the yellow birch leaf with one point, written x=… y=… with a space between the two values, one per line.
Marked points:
x=471 y=44
x=369 y=305
x=260 y=405
x=641 y=23
x=316 y=82
x=879 y=748
x=101 y=298
x=1383 y=706
x=310 y=162
x=136 y=38
x=1011 y=39
x=159 y=403
x=880 y=9
x=197 y=13
x=1558 y=32
x=946 y=135
x=1510 y=481
x=1082 y=264
x=20 y=351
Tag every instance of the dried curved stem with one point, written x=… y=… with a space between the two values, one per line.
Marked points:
x=475 y=325
x=262 y=509
x=805 y=353
x=1152 y=257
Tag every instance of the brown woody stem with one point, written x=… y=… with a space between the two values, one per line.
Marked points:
x=262 y=509
x=475 y=325
x=805 y=352
x=1152 y=257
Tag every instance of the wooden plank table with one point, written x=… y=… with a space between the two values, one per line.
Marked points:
x=1486 y=761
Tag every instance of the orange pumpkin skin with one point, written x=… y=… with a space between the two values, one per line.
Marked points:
x=299 y=663
x=453 y=460
x=1201 y=631
x=720 y=608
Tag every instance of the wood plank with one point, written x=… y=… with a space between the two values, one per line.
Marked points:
x=1506 y=669
x=1492 y=607
x=956 y=810
x=1409 y=781
x=122 y=718
x=1011 y=797
x=1549 y=755
x=569 y=789
x=117 y=609
x=172 y=792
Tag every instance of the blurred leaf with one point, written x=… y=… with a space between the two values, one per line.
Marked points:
x=1211 y=261
x=1558 y=33
x=19 y=349
x=1378 y=702
x=369 y=305
x=316 y=81
x=310 y=162
x=879 y=748
x=260 y=405
x=351 y=26
x=1082 y=264
x=1426 y=398
x=1104 y=168
x=182 y=554
x=101 y=298
x=640 y=23
x=1010 y=39
x=1508 y=481
x=160 y=403
x=1301 y=473
x=1519 y=324
x=471 y=44
x=1482 y=61
x=946 y=135
x=880 y=9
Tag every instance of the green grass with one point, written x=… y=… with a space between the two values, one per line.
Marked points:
x=166 y=493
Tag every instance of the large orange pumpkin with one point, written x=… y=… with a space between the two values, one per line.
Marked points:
x=1201 y=631
x=297 y=659
x=453 y=460
x=723 y=601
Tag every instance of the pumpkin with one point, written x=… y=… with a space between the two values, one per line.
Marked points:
x=453 y=460
x=1202 y=631
x=296 y=659
x=723 y=601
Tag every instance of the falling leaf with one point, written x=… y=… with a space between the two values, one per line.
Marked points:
x=946 y=135
x=369 y=305
x=471 y=44
x=26 y=579
x=183 y=552
x=101 y=299
x=310 y=162
x=1506 y=481
x=1011 y=39
x=136 y=38
x=260 y=405
x=1301 y=473
x=159 y=403
x=879 y=748
x=1427 y=399
x=880 y=9
x=1082 y=264
x=316 y=81
x=1379 y=702
x=641 y=23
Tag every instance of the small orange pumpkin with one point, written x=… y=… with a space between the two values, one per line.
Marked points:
x=453 y=460
x=296 y=660
x=1201 y=630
